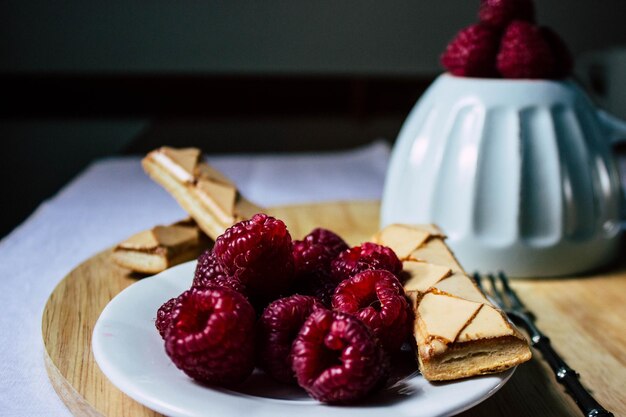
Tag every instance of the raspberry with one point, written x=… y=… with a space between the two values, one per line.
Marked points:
x=312 y=259
x=562 y=55
x=337 y=359
x=164 y=316
x=258 y=252
x=277 y=329
x=362 y=258
x=525 y=53
x=499 y=13
x=377 y=298
x=316 y=251
x=211 y=337
x=207 y=268
x=320 y=286
x=209 y=272
x=472 y=53
x=327 y=238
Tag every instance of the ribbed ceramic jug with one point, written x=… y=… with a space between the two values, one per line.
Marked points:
x=518 y=173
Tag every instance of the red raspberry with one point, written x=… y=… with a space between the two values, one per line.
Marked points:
x=258 y=252
x=209 y=273
x=327 y=238
x=472 y=53
x=164 y=316
x=337 y=359
x=499 y=13
x=320 y=286
x=315 y=252
x=365 y=257
x=277 y=329
x=212 y=335
x=377 y=298
x=312 y=259
x=525 y=53
x=562 y=56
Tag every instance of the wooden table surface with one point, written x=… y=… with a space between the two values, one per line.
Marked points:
x=585 y=317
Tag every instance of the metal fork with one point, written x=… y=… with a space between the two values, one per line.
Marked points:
x=508 y=301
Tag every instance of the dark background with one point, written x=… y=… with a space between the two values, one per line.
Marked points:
x=81 y=80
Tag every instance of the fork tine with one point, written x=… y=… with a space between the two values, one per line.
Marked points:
x=515 y=301
x=497 y=294
x=478 y=282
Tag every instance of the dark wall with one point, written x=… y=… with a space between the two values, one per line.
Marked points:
x=82 y=79
x=286 y=36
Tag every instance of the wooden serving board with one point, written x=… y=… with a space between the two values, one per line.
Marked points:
x=585 y=318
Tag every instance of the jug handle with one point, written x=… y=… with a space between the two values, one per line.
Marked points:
x=615 y=127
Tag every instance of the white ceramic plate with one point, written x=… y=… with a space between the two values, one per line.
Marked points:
x=130 y=352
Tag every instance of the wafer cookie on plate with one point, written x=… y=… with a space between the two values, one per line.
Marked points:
x=458 y=331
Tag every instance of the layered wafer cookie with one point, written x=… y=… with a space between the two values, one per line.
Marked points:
x=210 y=198
x=161 y=247
x=459 y=333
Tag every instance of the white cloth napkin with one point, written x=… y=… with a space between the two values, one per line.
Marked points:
x=109 y=201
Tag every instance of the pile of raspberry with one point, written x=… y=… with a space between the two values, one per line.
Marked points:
x=311 y=312
x=507 y=43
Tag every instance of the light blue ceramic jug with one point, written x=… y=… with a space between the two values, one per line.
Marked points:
x=518 y=173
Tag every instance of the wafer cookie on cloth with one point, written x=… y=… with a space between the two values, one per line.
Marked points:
x=208 y=196
x=161 y=247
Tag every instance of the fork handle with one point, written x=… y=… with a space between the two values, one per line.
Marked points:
x=567 y=377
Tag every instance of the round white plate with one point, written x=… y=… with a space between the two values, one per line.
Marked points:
x=130 y=352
